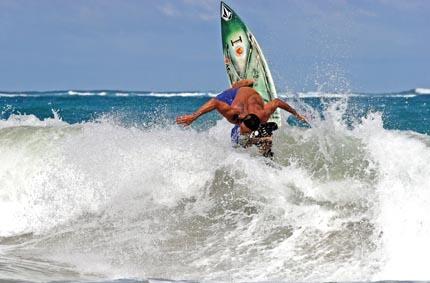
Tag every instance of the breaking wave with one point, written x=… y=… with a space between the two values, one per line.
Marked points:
x=98 y=200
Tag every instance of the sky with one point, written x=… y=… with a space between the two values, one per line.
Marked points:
x=173 y=45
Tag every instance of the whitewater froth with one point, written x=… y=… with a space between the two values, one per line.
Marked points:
x=99 y=199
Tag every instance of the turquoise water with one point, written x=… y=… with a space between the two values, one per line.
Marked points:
x=102 y=185
x=403 y=111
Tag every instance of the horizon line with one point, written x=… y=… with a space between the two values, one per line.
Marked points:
x=424 y=89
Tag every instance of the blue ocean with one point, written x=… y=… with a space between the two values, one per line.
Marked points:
x=102 y=185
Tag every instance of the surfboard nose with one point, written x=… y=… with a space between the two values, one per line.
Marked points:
x=225 y=11
x=221 y=6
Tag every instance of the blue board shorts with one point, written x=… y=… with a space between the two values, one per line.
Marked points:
x=228 y=97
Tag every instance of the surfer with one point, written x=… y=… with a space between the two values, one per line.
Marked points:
x=243 y=106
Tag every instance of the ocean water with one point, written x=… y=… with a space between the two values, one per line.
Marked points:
x=102 y=186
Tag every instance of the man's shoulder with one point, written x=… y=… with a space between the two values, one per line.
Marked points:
x=248 y=90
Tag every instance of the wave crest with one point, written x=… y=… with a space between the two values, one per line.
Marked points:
x=179 y=203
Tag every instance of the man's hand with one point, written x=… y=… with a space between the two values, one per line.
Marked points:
x=241 y=83
x=186 y=120
x=301 y=118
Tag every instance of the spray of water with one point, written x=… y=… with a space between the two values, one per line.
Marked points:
x=103 y=200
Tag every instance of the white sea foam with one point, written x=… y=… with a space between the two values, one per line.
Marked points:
x=316 y=94
x=71 y=92
x=86 y=93
x=22 y=120
x=100 y=198
x=122 y=94
x=13 y=94
x=404 y=199
x=422 y=90
x=402 y=95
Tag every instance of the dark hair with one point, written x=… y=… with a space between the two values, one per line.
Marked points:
x=251 y=121
x=236 y=119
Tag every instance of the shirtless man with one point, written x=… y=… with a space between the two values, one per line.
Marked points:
x=243 y=106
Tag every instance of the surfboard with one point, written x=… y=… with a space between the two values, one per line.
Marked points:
x=244 y=59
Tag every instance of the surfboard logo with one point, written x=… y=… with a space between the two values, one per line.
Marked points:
x=226 y=13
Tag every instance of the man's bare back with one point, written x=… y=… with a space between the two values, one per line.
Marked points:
x=246 y=102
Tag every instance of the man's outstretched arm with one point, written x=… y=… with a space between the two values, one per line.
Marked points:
x=223 y=108
x=278 y=103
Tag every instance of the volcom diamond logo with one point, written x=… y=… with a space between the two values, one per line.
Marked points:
x=226 y=13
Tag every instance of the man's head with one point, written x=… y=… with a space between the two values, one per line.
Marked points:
x=251 y=121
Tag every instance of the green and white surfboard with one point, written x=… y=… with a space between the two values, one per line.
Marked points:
x=244 y=59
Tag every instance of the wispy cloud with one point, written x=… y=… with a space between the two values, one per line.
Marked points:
x=168 y=9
